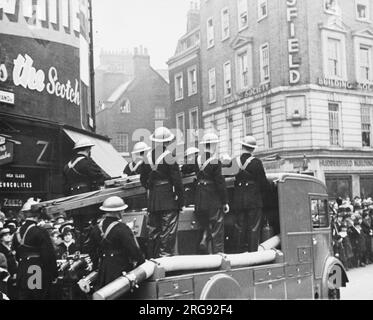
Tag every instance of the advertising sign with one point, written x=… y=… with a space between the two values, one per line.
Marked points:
x=6 y=153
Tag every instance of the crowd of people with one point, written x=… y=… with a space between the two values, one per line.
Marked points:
x=352 y=231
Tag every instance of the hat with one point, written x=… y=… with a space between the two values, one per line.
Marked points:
x=191 y=151
x=250 y=142
x=140 y=147
x=66 y=228
x=113 y=204
x=162 y=134
x=29 y=203
x=83 y=143
x=209 y=138
x=4 y=231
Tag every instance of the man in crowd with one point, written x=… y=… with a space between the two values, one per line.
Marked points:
x=6 y=249
x=249 y=192
x=37 y=267
x=211 y=198
x=161 y=177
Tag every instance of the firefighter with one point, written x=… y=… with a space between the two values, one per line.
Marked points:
x=161 y=177
x=190 y=161
x=118 y=250
x=250 y=186
x=82 y=174
x=211 y=199
x=138 y=154
x=37 y=268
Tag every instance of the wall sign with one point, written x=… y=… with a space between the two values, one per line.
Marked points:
x=22 y=180
x=6 y=97
x=6 y=153
x=343 y=84
x=346 y=163
x=256 y=92
x=293 y=41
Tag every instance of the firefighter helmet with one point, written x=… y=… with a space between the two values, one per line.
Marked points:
x=210 y=138
x=249 y=142
x=28 y=205
x=83 y=143
x=113 y=204
x=162 y=134
x=191 y=151
x=140 y=147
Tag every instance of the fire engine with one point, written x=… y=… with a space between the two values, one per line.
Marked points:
x=297 y=262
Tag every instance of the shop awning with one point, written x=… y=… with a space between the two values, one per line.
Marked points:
x=103 y=153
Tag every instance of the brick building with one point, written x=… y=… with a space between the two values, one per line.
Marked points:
x=140 y=103
x=185 y=84
x=298 y=75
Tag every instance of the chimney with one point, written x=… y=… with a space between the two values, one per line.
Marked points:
x=193 y=16
x=141 y=60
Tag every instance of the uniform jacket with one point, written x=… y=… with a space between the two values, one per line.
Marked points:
x=133 y=169
x=251 y=184
x=116 y=253
x=213 y=195
x=82 y=171
x=169 y=195
x=11 y=259
x=37 y=245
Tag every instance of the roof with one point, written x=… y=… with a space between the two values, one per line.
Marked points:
x=164 y=74
x=119 y=91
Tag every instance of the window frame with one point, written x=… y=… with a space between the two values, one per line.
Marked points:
x=360 y=42
x=164 y=112
x=248 y=115
x=223 y=36
x=118 y=139
x=190 y=84
x=261 y=64
x=180 y=140
x=125 y=107
x=225 y=87
x=179 y=75
x=268 y=126
x=339 y=143
x=210 y=32
x=333 y=12
x=193 y=137
x=370 y=115
x=239 y=72
x=211 y=101
x=341 y=37
x=239 y=15
x=262 y=17
x=323 y=199
x=367 y=4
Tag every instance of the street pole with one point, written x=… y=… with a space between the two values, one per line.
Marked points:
x=92 y=67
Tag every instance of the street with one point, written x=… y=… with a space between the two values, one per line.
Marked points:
x=360 y=286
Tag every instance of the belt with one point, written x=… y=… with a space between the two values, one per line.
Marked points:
x=245 y=184
x=111 y=254
x=78 y=186
x=161 y=183
x=205 y=182
x=29 y=256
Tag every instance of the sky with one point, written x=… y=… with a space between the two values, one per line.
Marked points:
x=155 y=24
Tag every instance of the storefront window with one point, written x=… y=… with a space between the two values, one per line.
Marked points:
x=366 y=187
x=339 y=187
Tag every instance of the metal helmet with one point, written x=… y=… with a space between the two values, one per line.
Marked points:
x=191 y=151
x=83 y=143
x=140 y=147
x=113 y=204
x=162 y=134
x=28 y=205
x=250 y=142
x=210 y=138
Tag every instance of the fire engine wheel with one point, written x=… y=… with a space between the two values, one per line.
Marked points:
x=222 y=287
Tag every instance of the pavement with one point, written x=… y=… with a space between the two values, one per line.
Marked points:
x=360 y=286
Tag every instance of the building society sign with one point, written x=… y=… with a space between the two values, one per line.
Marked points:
x=343 y=84
x=293 y=41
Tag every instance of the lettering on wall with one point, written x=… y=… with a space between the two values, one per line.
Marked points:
x=293 y=42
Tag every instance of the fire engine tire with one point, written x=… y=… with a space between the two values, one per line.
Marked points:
x=222 y=287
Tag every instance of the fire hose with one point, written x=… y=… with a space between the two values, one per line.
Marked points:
x=130 y=281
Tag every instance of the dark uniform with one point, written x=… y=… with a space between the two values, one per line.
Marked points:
x=250 y=187
x=12 y=269
x=161 y=177
x=211 y=195
x=34 y=248
x=113 y=250
x=133 y=169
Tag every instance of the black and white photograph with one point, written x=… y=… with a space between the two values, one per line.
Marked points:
x=186 y=155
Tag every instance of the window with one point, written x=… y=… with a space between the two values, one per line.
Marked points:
x=230 y=135
x=362 y=10
x=210 y=33
x=334 y=58
x=365 y=58
x=334 y=54
x=179 y=87
x=248 y=124
x=264 y=63
x=334 y=124
x=262 y=9
x=121 y=142
x=366 y=125
x=212 y=86
x=332 y=7
x=193 y=125
x=227 y=79
x=243 y=70
x=243 y=19
x=320 y=213
x=159 y=113
x=180 y=126
x=125 y=107
x=268 y=124
x=339 y=186
x=225 y=32
x=192 y=81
